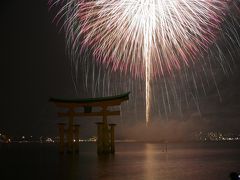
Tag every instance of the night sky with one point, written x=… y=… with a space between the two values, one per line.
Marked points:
x=35 y=67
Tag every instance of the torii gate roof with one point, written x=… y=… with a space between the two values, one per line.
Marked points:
x=114 y=100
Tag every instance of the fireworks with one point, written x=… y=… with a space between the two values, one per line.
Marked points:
x=146 y=38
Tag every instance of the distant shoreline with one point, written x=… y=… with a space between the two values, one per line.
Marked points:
x=127 y=141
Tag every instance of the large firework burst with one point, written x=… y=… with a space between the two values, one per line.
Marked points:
x=146 y=38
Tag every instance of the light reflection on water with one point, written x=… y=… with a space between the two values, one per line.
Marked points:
x=140 y=161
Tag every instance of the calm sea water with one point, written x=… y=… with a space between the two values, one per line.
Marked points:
x=132 y=161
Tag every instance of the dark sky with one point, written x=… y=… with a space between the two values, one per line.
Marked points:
x=35 y=67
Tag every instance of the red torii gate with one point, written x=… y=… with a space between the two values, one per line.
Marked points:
x=105 y=131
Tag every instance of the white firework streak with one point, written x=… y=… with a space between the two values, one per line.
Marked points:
x=147 y=38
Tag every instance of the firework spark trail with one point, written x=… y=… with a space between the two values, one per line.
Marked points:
x=146 y=38
x=149 y=28
x=148 y=89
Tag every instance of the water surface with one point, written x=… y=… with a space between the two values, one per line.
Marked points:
x=133 y=161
